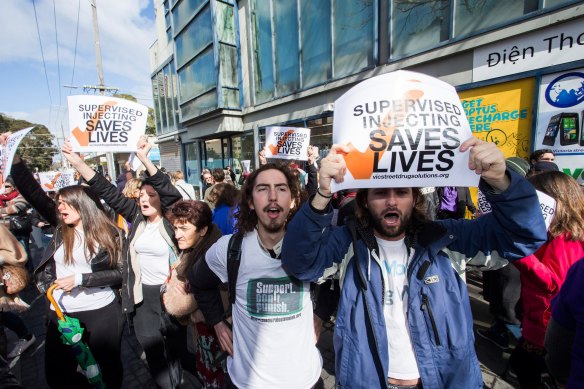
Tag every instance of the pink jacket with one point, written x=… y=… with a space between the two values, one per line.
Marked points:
x=542 y=275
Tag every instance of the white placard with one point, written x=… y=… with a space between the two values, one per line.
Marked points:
x=404 y=129
x=54 y=181
x=546 y=203
x=7 y=152
x=245 y=165
x=287 y=143
x=101 y=123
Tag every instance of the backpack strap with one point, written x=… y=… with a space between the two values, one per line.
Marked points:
x=233 y=262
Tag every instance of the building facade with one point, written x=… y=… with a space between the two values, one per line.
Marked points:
x=233 y=68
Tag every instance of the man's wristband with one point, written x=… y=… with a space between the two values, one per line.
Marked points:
x=322 y=195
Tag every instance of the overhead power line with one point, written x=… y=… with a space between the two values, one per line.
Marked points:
x=43 y=57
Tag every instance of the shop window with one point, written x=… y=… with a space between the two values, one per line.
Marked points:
x=213 y=154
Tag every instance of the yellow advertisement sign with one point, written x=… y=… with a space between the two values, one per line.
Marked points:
x=502 y=114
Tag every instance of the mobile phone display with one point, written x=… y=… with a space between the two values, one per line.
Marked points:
x=569 y=129
x=552 y=130
x=582 y=129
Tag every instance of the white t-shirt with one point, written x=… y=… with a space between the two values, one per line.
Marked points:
x=80 y=299
x=402 y=361
x=152 y=253
x=273 y=334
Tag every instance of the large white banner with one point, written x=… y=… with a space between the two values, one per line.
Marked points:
x=101 y=123
x=287 y=143
x=53 y=181
x=7 y=152
x=404 y=130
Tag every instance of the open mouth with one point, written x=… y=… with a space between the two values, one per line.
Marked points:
x=273 y=211
x=391 y=218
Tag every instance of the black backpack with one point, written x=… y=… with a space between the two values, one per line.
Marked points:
x=233 y=262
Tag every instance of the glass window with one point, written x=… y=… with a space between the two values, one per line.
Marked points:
x=225 y=25
x=286 y=41
x=475 y=15
x=262 y=51
x=197 y=77
x=228 y=65
x=168 y=99
x=192 y=162
x=199 y=106
x=174 y=93
x=418 y=26
x=230 y=98
x=213 y=154
x=242 y=148
x=156 y=104
x=321 y=134
x=162 y=98
x=167 y=20
x=316 y=41
x=553 y=3
x=353 y=36
x=194 y=38
x=183 y=12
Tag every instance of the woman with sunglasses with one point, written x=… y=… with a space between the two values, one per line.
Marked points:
x=149 y=253
x=84 y=260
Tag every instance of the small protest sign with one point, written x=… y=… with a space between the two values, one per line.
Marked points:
x=287 y=143
x=546 y=203
x=54 y=181
x=245 y=165
x=102 y=123
x=403 y=129
x=7 y=152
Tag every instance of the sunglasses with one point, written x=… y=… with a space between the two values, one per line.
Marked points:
x=8 y=186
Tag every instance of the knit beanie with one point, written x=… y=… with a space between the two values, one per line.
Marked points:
x=518 y=165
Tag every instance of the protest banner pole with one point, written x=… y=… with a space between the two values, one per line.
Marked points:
x=109 y=155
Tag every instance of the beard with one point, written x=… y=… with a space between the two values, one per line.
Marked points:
x=393 y=231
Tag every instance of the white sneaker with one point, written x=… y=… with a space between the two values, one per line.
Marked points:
x=21 y=346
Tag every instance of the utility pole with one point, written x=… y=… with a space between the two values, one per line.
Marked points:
x=109 y=155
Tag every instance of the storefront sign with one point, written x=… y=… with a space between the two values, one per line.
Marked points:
x=502 y=114
x=551 y=46
x=560 y=119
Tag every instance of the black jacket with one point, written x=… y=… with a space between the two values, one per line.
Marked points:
x=103 y=273
x=130 y=210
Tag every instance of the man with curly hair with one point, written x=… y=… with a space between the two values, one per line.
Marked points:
x=272 y=344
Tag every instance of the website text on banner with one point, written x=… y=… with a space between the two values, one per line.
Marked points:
x=102 y=123
x=54 y=181
x=404 y=130
x=287 y=143
x=7 y=152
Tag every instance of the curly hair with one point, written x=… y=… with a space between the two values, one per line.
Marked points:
x=569 y=203
x=247 y=219
x=224 y=193
x=418 y=218
x=198 y=213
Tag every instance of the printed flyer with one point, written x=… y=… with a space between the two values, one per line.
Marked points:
x=53 y=181
x=7 y=152
x=403 y=129
x=102 y=123
x=287 y=143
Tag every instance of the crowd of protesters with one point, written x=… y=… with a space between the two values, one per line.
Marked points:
x=251 y=266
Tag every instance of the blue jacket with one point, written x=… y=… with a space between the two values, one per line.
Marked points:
x=439 y=314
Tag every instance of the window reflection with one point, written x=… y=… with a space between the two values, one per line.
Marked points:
x=194 y=38
x=475 y=15
x=353 y=36
x=199 y=106
x=184 y=11
x=316 y=41
x=286 y=38
x=262 y=51
x=418 y=25
x=197 y=77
